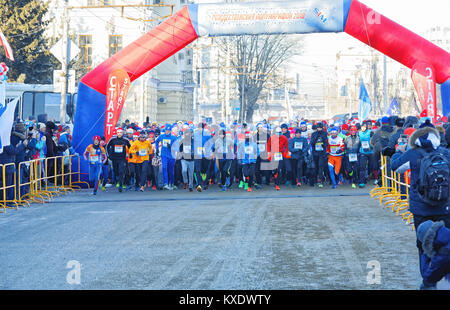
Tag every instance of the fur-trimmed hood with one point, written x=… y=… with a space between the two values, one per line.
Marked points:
x=415 y=141
x=430 y=236
x=441 y=129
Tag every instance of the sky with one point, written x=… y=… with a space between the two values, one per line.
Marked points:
x=416 y=15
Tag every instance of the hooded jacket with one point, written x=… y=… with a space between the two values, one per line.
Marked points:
x=381 y=138
x=436 y=253
x=428 y=139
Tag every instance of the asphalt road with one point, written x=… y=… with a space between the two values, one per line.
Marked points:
x=305 y=238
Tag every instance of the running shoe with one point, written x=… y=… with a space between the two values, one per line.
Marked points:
x=224 y=188
x=362 y=185
x=142 y=188
x=191 y=189
x=103 y=188
x=94 y=193
x=277 y=187
x=249 y=189
x=353 y=185
x=320 y=185
x=299 y=184
x=120 y=189
x=241 y=184
x=199 y=188
x=166 y=187
x=334 y=186
x=154 y=187
x=117 y=185
x=245 y=186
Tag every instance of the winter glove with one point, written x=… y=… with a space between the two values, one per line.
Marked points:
x=388 y=151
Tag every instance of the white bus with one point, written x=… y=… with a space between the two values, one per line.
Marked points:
x=39 y=99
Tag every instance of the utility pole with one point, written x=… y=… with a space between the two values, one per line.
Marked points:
x=227 y=84
x=241 y=111
x=65 y=44
x=377 y=108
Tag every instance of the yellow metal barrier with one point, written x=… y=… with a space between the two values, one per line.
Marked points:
x=48 y=178
x=2 y=205
x=390 y=192
x=8 y=203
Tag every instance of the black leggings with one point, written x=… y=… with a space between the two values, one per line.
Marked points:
x=248 y=171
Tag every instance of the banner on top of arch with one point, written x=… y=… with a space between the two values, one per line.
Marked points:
x=274 y=17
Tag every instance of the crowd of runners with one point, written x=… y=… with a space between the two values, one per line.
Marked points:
x=192 y=156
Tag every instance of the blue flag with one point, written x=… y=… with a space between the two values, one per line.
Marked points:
x=394 y=108
x=365 y=105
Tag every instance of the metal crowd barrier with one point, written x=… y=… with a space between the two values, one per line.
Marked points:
x=46 y=179
x=390 y=192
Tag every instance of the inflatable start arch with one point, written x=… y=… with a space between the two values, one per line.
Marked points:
x=290 y=17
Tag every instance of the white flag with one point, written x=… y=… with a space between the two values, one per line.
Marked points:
x=6 y=123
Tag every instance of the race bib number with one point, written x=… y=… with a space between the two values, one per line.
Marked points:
x=261 y=147
x=118 y=148
x=200 y=150
x=186 y=148
x=142 y=152
x=319 y=146
x=248 y=150
x=278 y=156
x=166 y=142
x=93 y=159
x=298 y=145
x=334 y=149
x=352 y=157
x=365 y=144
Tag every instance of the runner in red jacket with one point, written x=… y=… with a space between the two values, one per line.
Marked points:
x=278 y=148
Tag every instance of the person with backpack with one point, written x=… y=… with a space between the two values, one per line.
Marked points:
x=430 y=176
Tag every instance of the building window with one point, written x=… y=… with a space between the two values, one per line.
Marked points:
x=85 y=44
x=115 y=44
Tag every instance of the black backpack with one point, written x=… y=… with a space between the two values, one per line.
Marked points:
x=434 y=177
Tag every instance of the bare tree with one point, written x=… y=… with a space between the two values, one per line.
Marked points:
x=256 y=58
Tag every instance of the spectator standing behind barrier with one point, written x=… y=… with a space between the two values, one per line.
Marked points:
x=424 y=141
x=8 y=156
x=18 y=136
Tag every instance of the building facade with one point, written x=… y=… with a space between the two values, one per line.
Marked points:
x=101 y=28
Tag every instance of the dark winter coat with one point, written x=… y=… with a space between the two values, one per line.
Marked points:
x=319 y=137
x=447 y=136
x=411 y=160
x=298 y=153
x=436 y=253
x=380 y=139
